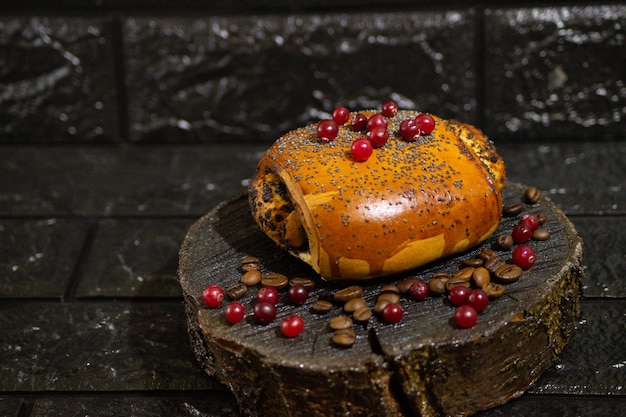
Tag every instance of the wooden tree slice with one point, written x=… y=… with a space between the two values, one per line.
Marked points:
x=425 y=365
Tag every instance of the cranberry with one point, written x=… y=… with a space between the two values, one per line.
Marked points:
x=235 y=312
x=359 y=122
x=478 y=299
x=268 y=294
x=524 y=256
x=426 y=123
x=392 y=313
x=376 y=120
x=531 y=221
x=292 y=326
x=264 y=312
x=298 y=294
x=341 y=115
x=379 y=136
x=521 y=233
x=327 y=130
x=419 y=290
x=409 y=130
x=389 y=108
x=213 y=295
x=458 y=295
x=361 y=149
x=465 y=316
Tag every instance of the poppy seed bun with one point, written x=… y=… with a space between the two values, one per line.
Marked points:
x=408 y=204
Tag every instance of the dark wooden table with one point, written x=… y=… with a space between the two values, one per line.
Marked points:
x=91 y=313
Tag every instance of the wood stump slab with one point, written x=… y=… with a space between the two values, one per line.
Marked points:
x=423 y=366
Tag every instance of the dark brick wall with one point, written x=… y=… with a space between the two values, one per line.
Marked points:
x=149 y=72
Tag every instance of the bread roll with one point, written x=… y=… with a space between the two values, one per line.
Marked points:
x=410 y=203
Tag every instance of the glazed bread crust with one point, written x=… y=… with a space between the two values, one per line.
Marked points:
x=408 y=204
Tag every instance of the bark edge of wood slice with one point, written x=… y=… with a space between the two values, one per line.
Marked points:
x=422 y=366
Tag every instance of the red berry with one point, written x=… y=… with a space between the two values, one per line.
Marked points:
x=458 y=295
x=268 y=294
x=213 y=295
x=327 y=130
x=521 y=233
x=389 y=108
x=235 y=312
x=379 y=136
x=524 y=256
x=465 y=316
x=426 y=123
x=376 y=120
x=478 y=299
x=392 y=313
x=419 y=290
x=361 y=149
x=409 y=130
x=359 y=122
x=292 y=326
x=341 y=115
x=298 y=294
x=531 y=221
x=264 y=312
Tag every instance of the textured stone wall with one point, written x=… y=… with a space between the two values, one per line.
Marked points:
x=110 y=72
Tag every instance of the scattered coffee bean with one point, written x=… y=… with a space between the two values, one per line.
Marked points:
x=437 y=286
x=541 y=234
x=493 y=290
x=486 y=254
x=442 y=275
x=457 y=282
x=389 y=296
x=236 y=291
x=380 y=306
x=390 y=288
x=512 y=209
x=321 y=306
x=508 y=273
x=252 y=277
x=305 y=282
x=475 y=262
x=340 y=322
x=504 y=241
x=481 y=277
x=276 y=280
x=464 y=273
x=250 y=263
x=532 y=195
x=348 y=293
x=362 y=315
x=542 y=218
x=405 y=284
x=344 y=338
x=493 y=263
x=354 y=304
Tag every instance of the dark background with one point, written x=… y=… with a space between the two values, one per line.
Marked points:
x=122 y=122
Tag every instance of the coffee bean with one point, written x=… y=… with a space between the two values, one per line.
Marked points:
x=511 y=210
x=348 y=293
x=532 y=194
x=464 y=273
x=344 y=338
x=542 y=218
x=493 y=263
x=457 y=282
x=380 y=306
x=508 y=273
x=442 y=275
x=390 y=288
x=405 y=284
x=475 y=262
x=340 y=322
x=504 y=241
x=305 y=282
x=541 y=234
x=321 y=306
x=276 y=280
x=437 y=286
x=236 y=291
x=493 y=290
x=354 y=304
x=251 y=277
x=481 y=277
x=250 y=263
x=389 y=296
x=362 y=315
x=486 y=254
